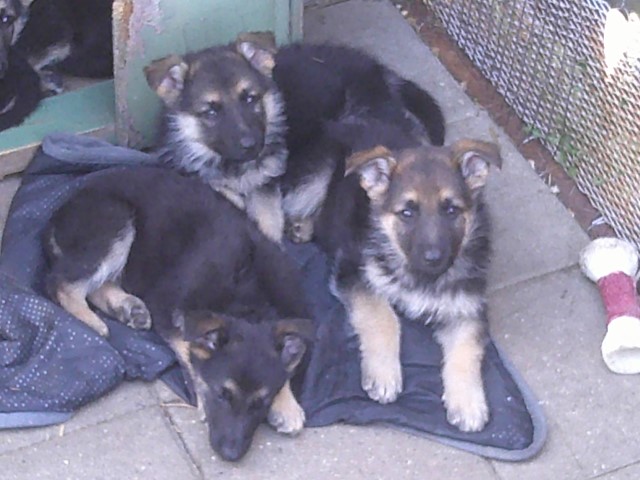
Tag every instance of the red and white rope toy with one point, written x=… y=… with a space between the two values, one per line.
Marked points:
x=613 y=263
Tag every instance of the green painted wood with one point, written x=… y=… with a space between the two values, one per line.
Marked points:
x=80 y=111
x=149 y=29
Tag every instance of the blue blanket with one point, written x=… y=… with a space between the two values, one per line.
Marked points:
x=51 y=364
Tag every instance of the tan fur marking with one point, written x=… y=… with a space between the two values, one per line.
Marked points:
x=72 y=297
x=360 y=158
x=378 y=329
x=182 y=350
x=211 y=96
x=388 y=223
x=464 y=396
x=232 y=386
x=286 y=415
x=243 y=85
x=266 y=210
x=108 y=297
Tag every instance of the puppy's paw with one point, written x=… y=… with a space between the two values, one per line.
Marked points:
x=286 y=417
x=134 y=313
x=382 y=378
x=466 y=408
x=300 y=230
x=101 y=328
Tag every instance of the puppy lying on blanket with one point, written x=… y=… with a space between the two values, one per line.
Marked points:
x=407 y=230
x=153 y=248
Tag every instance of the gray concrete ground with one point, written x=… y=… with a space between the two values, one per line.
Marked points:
x=544 y=314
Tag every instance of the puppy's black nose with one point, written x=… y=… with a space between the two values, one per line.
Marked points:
x=433 y=255
x=247 y=142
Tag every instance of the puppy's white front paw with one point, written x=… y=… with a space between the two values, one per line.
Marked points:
x=286 y=417
x=382 y=378
x=466 y=408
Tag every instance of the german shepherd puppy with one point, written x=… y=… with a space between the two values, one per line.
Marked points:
x=151 y=247
x=407 y=230
x=72 y=37
x=234 y=113
x=19 y=84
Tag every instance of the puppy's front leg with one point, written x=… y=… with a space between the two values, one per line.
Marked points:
x=464 y=398
x=264 y=206
x=378 y=329
x=286 y=415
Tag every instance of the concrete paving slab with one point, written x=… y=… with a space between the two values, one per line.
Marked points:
x=128 y=397
x=533 y=232
x=555 y=461
x=138 y=445
x=632 y=472
x=378 y=28
x=338 y=451
x=551 y=328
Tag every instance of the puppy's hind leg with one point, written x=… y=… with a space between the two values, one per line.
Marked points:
x=111 y=299
x=88 y=242
x=72 y=297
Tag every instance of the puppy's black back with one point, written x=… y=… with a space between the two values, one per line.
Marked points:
x=192 y=248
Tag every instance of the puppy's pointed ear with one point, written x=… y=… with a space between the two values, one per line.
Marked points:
x=375 y=168
x=473 y=158
x=259 y=49
x=205 y=331
x=166 y=77
x=291 y=337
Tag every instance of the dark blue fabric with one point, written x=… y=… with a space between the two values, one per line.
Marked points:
x=51 y=363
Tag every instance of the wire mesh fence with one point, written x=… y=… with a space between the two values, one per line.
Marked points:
x=571 y=70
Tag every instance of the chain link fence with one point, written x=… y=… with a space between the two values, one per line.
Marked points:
x=571 y=71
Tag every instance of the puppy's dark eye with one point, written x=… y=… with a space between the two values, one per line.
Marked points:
x=257 y=403
x=7 y=19
x=409 y=211
x=249 y=97
x=451 y=209
x=225 y=395
x=211 y=110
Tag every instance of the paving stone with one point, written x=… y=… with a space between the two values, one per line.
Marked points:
x=631 y=472
x=331 y=452
x=135 y=446
x=551 y=328
x=128 y=397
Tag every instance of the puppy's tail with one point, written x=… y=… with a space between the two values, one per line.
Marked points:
x=425 y=108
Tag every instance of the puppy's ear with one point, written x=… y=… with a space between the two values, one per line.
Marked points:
x=259 y=49
x=473 y=158
x=166 y=77
x=375 y=168
x=206 y=332
x=291 y=337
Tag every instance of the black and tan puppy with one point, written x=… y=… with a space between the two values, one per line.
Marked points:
x=224 y=121
x=408 y=231
x=19 y=83
x=72 y=37
x=153 y=248
x=266 y=127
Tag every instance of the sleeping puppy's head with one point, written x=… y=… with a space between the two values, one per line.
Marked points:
x=237 y=369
